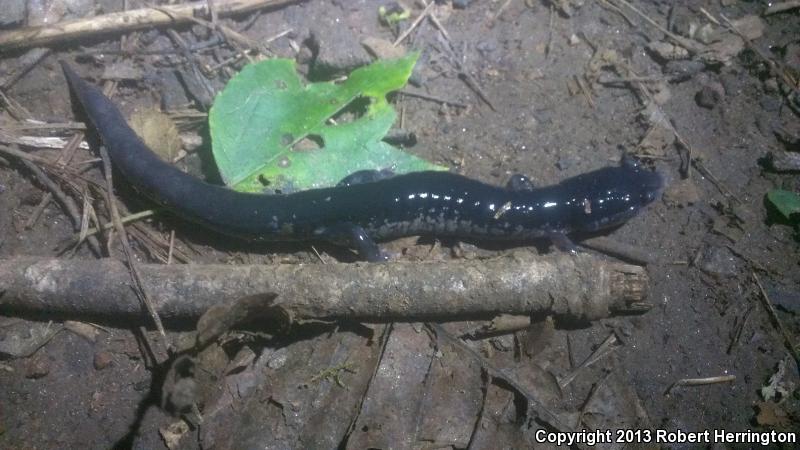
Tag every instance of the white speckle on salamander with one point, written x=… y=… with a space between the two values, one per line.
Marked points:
x=506 y=206
x=587 y=206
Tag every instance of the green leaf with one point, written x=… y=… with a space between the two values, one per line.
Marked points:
x=786 y=202
x=264 y=119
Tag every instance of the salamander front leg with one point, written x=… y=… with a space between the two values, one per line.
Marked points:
x=366 y=247
x=519 y=182
x=562 y=242
x=355 y=236
x=366 y=176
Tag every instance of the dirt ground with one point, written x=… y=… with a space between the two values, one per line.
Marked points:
x=546 y=89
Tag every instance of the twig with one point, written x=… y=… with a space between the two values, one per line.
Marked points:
x=50 y=142
x=434 y=99
x=584 y=91
x=787 y=338
x=688 y=44
x=777 y=68
x=126 y=247
x=69 y=205
x=576 y=286
x=622 y=250
x=625 y=80
x=87 y=210
x=472 y=84
x=171 y=246
x=698 y=164
x=550 y=33
x=25 y=63
x=29 y=157
x=13 y=107
x=534 y=405
x=710 y=17
x=700 y=382
x=208 y=91
x=126 y=21
x=38 y=211
x=212 y=11
x=414 y=24
x=609 y=345
x=125 y=220
x=439 y=26
x=234 y=38
x=616 y=9
x=156 y=244
x=36 y=125
x=69 y=150
x=499 y=11
x=739 y=330
x=142 y=234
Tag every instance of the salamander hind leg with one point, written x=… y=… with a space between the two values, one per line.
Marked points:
x=366 y=176
x=519 y=182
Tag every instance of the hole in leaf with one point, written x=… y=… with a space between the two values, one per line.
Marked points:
x=287 y=139
x=263 y=180
x=309 y=143
x=353 y=110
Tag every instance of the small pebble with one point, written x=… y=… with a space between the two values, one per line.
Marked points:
x=37 y=367
x=566 y=161
x=102 y=360
x=382 y=48
x=792 y=56
x=764 y=124
x=681 y=193
x=783 y=161
x=709 y=96
x=503 y=343
x=719 y=261
x=770 y=103
x=682 y=70
x=486 y=47
x=771 y=86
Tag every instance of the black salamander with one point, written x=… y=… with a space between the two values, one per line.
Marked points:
x=369 y=206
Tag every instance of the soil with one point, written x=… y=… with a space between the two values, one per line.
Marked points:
x=546 y=89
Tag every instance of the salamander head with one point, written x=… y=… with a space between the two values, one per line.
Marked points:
x=615 y=194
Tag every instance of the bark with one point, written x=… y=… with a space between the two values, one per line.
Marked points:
x=580 y=287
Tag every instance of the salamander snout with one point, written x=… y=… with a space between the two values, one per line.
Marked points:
x=652 y=185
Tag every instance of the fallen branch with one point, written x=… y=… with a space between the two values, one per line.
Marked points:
x=119 y=22
x=576 y=286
